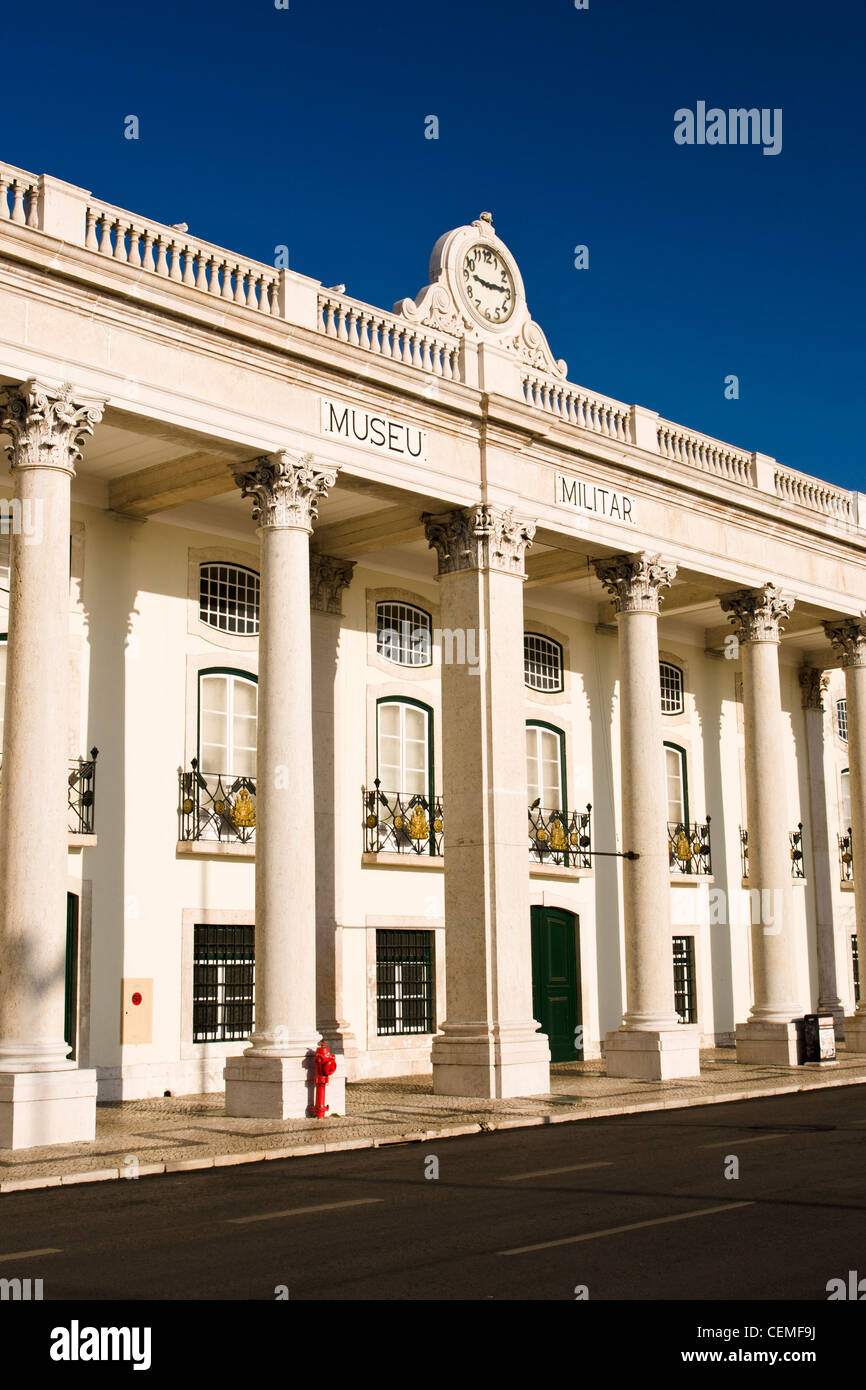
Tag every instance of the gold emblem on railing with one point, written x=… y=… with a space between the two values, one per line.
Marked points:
x=557 y=835
x=683 y=848
x=188 y=805
x=437 y=825
x=243 y=812
x=419 y=828
x=220 y=807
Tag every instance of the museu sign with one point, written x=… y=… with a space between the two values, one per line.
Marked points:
x=373 y=431
x=594 y=500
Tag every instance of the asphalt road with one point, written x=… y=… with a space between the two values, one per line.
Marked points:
x=636 y=1207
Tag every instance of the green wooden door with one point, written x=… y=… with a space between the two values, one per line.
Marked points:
x=556 y=980
x=71 y=1011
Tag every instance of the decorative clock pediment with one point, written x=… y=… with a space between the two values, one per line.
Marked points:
x=476 y=292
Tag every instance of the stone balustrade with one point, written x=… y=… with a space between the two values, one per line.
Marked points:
x=45 y=205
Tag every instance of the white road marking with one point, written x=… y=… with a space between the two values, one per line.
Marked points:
x=758 y=1139
x=617 y=1230
x=302 y=1211
x=551 y=1172
x=30 y=1254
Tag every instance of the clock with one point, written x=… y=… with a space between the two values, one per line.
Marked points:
x=487 y=284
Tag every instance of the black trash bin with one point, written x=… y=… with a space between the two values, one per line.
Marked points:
x=819 y=1038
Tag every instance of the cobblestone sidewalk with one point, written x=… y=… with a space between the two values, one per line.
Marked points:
x=143 y=1137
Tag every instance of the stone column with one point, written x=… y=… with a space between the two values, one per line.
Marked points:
x=650 y=1043
x=328 y=578
x=770 y=1034
x=813 y=684
x=44 y=1098
x=848 y=639
x=273 y=1078
x=490 y=1044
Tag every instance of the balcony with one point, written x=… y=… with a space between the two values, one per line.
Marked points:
x=846 y=859
x=404 y=823
x=798 y=866
x=558 y=839
x=215 y=808
x=80 y=797
x=689 y=848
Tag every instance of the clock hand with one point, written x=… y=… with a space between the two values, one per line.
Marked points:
x=502 y=289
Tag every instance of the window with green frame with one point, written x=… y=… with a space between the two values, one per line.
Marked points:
x=545 y=766
x=227 y=707
x=676 y=784
x=404 y=747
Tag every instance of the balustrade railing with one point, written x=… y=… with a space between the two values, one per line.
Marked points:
x=846 y=857
x=814 y=494
x=689 y=847
x=401 y=822
x=795 y=838
x=384 y=335
x=216 y=806
x=19 y=196
x=703 y=452
x=589 y=411
x=559 y=838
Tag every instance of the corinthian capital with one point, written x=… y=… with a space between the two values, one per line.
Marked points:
x=813 y=684
x=480 y=538
x=757 y=614
x=47 y=426
x=328 y=579
x=635 y=582
x=285 y=490
x=848 y=640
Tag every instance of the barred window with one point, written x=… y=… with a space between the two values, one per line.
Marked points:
x=842 y=719
x=671 y=678
x=404 y=634
x=229 y=598
x=684 y=978
x=223 y=978
x=542 y=662
x=405 y=967
x=855 y=962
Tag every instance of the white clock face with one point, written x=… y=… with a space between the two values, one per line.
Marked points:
x=487 y=284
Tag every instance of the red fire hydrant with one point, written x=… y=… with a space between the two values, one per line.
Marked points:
x=324 y=1066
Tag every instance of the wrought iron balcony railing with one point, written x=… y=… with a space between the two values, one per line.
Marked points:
x=798 y=864
x=560 y=839
x=689 y=847
x=401 y=822
x=216 y=806
x=846 y=857
x=80 y=793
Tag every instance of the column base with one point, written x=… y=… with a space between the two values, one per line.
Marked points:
x=775 y=1043
x=47 y=1107
x=279 y=1088
x=653 y=1055
x=855 y=1033
x=494 y=1063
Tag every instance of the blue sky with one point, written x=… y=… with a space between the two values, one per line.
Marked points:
x=305 y=126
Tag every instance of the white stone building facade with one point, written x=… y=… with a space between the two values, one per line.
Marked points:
x=432 y=693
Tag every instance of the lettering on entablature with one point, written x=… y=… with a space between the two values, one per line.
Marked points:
x=594 y=500
x=373 y=431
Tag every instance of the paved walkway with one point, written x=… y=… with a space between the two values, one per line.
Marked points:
x=141 y=1137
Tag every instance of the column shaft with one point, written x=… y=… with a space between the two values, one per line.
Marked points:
x=813 y=684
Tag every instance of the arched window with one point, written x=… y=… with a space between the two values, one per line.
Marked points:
x=677 y=787
x=844 y=801
x=545 y=766
x=404 y=744
x=229 y=598
x=671 y=679
x=404 y=634
x=842 y=719
x=542 y=662
x=227 y=704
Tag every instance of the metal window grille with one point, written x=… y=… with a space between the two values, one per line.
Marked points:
x=542 y=662
x=405 y=967
x=842 y=719
x=404 y=634
x=229 y=598
x=855 y=961
x=671 y=678
x=684 y=978
x=223 y=983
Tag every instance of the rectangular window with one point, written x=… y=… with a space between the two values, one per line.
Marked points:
x=544 y=767
x=222 y=984
x=855 y=961
x=405 y=967
x=675 y=768
x=684 y=978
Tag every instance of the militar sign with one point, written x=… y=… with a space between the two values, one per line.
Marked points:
x=373 y=431
x=593 y=500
